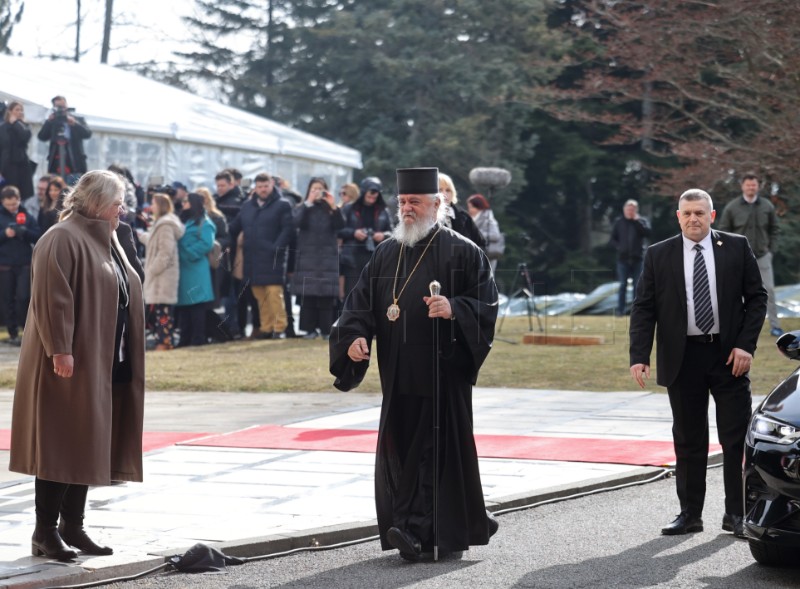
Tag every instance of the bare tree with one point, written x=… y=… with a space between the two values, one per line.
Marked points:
x=711 y=85
x=107 y=31
x=78 y=32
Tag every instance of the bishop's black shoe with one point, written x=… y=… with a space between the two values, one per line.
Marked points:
x=409 y=545
x=494 y=525
x=683 y=524
x=733 y=523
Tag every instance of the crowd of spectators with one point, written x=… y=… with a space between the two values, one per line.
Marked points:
x=218 y=266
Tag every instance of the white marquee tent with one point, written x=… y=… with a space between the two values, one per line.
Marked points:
x=161 y=132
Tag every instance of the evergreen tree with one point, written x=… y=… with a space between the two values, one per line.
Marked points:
x=421 y=82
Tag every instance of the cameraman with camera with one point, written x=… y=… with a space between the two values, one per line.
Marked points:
x=66 y=133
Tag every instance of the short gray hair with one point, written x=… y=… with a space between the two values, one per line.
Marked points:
x=694 y=194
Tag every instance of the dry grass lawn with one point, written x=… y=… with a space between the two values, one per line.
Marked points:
x=302 y=365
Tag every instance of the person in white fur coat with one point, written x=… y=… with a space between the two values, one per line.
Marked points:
x=162 y=269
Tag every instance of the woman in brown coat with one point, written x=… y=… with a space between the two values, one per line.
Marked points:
x=79 y=398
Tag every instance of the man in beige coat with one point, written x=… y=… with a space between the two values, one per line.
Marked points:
x=79 y=397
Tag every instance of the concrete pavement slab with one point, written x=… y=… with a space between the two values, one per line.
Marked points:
x=252 y=500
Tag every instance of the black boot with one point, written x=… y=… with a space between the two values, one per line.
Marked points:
x=71 y=529
x=47 y=542
x=75 y=535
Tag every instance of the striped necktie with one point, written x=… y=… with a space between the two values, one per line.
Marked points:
x=703 y=313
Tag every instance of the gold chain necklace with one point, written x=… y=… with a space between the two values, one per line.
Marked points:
x=393 y=311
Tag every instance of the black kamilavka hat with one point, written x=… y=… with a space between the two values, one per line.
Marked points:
x=417 y=180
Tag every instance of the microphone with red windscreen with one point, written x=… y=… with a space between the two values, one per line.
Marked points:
x=21 y=218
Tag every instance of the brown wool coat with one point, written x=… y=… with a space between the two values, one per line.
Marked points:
x=84 y=429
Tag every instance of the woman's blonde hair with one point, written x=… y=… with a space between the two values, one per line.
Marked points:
x=352 y=191
x=209 y=204
x=449 y=182
x=95 y=191
x=162 y=205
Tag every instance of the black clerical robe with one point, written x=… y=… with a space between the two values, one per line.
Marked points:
x=407 y=363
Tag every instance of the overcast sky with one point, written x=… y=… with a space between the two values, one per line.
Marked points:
x=145 y=30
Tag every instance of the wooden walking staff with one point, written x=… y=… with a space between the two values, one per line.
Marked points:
x=435 y=289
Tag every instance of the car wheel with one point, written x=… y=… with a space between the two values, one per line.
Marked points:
x=770 y=554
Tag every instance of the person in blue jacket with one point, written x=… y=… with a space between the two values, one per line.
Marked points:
x=18 y=232
x=195 y=291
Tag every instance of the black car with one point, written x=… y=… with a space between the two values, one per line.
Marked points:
x=772 y=469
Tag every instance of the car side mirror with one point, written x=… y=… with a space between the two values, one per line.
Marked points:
x=789 y=344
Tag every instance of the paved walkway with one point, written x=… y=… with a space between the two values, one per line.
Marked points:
x=256 y=501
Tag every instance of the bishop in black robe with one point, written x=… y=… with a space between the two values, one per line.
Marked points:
x=407 y=360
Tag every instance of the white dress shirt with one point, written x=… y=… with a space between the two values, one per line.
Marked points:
x=688 y=273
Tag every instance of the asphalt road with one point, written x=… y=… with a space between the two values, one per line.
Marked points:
x=608 y=540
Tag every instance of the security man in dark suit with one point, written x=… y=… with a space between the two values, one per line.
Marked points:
x=709 y=305
x=66 y=133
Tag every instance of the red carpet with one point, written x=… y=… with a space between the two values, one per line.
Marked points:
x=600 y=450
x=151 y=440
x=157 y=440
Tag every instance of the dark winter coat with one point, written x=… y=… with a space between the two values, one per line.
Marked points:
x=267 y=233
x=317 y=261
x=17 y=250
x=629 y=238
x=463 y=224
x=14 y=163
x=78 y=133
x=360 y=216
x=230 y=203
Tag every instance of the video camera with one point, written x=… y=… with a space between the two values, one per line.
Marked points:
x=156 y=184
x=60 y=115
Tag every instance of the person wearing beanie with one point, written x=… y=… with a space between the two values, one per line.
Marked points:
x=366 y=224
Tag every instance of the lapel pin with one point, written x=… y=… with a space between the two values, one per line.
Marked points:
x=719 y=243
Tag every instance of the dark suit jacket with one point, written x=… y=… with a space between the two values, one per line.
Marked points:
x=125 y=236
x=661 y=299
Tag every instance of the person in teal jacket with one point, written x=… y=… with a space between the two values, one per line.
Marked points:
x=195 y=292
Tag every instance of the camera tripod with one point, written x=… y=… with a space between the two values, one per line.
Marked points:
x=525 y=289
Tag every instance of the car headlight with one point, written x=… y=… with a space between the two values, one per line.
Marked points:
x=771 y=430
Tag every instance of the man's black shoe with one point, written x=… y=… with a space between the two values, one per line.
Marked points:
x=408 y=545
x=683 y=524
x=494 y=525
x=733 y=523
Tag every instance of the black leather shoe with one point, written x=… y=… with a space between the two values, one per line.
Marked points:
x=733 y=523
x=74 y=535
x=408 y=544
x=48 y=543
x=494 y=525
x=683 y=524
x=427 y=556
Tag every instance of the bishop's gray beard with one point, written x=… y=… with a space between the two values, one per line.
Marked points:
x=410 y=234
